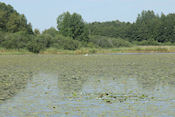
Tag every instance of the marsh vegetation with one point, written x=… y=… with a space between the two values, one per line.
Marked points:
x=85 y=69
x=119 y=85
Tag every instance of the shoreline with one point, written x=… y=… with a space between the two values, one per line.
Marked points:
x=81 y=51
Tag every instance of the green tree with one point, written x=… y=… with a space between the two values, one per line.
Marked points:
x=36 y=31
x=51 y=31
x=72 y=25
x=145 y=26
x=16 y=40
x=12 y=21
x=39 y=43
x=166 y=30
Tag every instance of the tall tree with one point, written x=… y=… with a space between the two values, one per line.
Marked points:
x=12 y=21
x=72 y=25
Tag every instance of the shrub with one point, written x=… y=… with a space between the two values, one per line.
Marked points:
x=90 y=45
x=34 y=47
x=56 y=41
x=70 y=44
x=92 y=51
x=51 y=31
x=121 y=43
x=39 y=43
x=17 y=40
x=147 y=42
x=168 y=43
x=108 y=42
x=66 y=43
x=1 y=37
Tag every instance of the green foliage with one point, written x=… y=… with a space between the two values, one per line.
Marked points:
x=70 y=44
x=107 y=42
x=51 y=31
x=37 y=32
x=34 y=47
x=147 y=26
x=90 y=45
x=110 y=29
x=72 y=25
x=166 y=30
x=12 y=21
x=73 y=32
x=66 y=43
x=121 y=43
x=39 y=43
x=1 y=37
x=147 y=42
x=15 y=40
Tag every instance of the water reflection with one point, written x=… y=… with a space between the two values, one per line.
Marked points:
x=12 y=82
x=48 y=95
x=103 y=84
x=71 y=84
x=38 y=97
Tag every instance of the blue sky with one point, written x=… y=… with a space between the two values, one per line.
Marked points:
x=43 y=13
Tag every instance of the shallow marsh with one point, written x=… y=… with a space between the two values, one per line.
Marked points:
x=94 y=85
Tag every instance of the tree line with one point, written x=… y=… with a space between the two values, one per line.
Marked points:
x=149 y=28
x=73 y=32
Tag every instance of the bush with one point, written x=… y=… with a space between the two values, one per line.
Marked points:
x=56 y=41
x=70 y=44
x=17 y=40
x=147 y=42
x=90 y=45
x=66 y=43
x=121 y=43
x=108 y=42
x=34 y=47
x=168 y=43
x=1 y=37
x=39 y=43
x=101 y=41
x=51 y=31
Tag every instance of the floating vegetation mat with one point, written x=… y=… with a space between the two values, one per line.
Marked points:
x=93 y=85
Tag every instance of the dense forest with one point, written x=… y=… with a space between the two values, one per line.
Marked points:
x=148 y=27
x=73 y=32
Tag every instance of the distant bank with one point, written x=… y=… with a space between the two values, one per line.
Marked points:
x=134 y=49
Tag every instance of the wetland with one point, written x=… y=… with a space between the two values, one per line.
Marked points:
x=128 y=85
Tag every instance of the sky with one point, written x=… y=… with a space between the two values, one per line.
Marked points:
x=43 y=13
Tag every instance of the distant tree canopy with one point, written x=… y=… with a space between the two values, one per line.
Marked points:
x=74 y=33
x=72 y=25
x=111 y=29
x=51 y=31
x=12 y=21
x=148 y=26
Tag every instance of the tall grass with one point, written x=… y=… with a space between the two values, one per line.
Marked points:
x=134 y=49
x=4 y=51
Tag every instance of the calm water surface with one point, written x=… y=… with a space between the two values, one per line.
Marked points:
x=49 y=95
